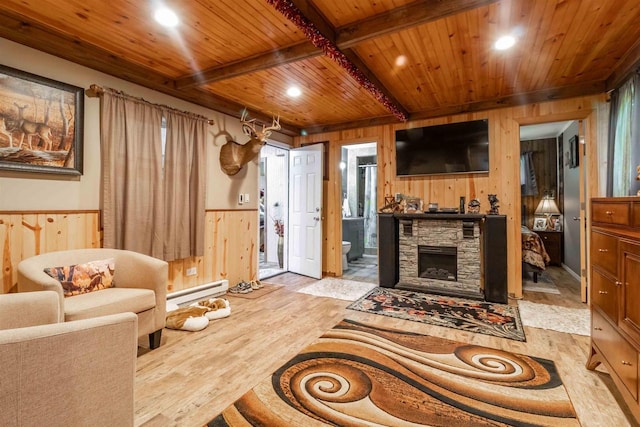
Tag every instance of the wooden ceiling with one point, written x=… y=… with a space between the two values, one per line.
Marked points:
x=427 y=58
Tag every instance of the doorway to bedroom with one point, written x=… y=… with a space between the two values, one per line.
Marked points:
x=550 y=211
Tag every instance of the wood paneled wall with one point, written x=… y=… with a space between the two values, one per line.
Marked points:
x=503 y=178
x=25 y=234
x=230 y=244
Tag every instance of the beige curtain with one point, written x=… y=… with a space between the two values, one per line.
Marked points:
x=133 y=197
x=184 y=175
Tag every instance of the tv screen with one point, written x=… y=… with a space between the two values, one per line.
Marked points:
x=443 y=149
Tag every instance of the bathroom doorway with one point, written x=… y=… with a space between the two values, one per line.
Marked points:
x=272 y=211
x=358 y=164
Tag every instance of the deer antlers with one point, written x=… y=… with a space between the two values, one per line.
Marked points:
x=249 y=127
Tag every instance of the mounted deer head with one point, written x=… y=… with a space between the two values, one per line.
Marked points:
x=233 y=155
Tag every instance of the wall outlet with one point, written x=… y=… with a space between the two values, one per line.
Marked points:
x=240 y=198
x=246 y=197
x=192 y=271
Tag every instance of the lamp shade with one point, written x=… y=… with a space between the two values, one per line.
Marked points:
x=547 y=206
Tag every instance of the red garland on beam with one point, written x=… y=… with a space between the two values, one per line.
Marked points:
x=293 y=14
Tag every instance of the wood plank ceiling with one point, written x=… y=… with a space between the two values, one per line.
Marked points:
x=428 y=57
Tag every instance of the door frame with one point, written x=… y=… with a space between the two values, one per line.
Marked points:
x=335 y=156
x=586 y=123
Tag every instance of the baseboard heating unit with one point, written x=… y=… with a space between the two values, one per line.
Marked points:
x=208 y=290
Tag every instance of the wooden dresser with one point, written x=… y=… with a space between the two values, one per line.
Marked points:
x=615 y=293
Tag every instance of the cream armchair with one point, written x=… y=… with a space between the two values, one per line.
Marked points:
x=64 y=374
x=140 y=287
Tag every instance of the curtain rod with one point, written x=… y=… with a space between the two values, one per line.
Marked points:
x=96 y=91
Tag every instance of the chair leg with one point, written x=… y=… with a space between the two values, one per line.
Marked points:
x=535 y=277
x=154 y=339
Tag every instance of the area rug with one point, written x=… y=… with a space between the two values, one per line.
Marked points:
x=267 y=289
x=348 y=290
x=499 y=320
x=556 y=318
x=545 y=284
x=357 y=374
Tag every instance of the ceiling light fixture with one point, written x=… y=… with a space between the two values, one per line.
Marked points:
x=166 y=17
x=294 y=91
x=504 y=42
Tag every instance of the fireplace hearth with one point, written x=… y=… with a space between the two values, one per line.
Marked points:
x=438 y=262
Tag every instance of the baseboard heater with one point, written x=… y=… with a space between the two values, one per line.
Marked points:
x=210 y=289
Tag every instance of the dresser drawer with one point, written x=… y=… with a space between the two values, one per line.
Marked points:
x=604 y=252
x=604 y=294
x=620 y=355
x=611 y=213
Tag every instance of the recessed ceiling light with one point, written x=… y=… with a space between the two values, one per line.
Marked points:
x=294 y=91
x=505 y=42
x=166 y=17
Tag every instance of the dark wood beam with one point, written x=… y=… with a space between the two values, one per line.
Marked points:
x=543 y=95
x=401 y=18
x=417 y=13
x=18 y=29
x=263 y=61
x=626 y=66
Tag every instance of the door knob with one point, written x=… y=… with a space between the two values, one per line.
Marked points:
x=576 y=218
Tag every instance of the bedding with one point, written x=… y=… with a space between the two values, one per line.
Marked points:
x=533 y=251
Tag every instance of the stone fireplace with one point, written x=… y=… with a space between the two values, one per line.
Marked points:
x=440 y=256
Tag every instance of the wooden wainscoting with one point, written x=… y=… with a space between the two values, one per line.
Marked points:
x=25 y=234
x=230 y=251
x=230 y=244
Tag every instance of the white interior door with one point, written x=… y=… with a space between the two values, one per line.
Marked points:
x=305 y=210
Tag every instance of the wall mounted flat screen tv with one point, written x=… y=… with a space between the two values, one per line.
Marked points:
x=443 y=149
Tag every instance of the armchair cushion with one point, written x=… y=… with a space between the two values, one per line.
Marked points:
x=84 y=278
x=108 y=301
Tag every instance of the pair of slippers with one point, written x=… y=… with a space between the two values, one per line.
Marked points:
x=246 y=287
x=196 y=317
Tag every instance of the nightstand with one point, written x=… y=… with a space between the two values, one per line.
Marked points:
x=553 y=244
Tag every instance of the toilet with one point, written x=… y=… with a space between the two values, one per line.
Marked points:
x=346 y=247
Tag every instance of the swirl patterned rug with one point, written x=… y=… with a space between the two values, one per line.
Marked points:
x=357 y=374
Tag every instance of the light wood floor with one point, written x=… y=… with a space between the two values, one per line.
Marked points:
x=193 y=376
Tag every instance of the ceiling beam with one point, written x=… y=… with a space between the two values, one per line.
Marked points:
x=543 y=95
x=417 y=13
x=18 y=29
x=401 y=18
x=626 y=66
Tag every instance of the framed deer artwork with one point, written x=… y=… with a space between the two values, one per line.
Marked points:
x=41 y=124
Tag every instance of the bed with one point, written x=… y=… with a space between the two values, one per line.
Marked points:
x=534 y=255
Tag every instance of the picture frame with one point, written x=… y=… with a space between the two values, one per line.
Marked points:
x=41 y=124
x=413 y=205
x=574 y=152
x=540 y=224
x=557 y=225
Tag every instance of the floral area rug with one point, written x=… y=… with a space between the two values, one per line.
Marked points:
x=360 y=375
x=500 y=320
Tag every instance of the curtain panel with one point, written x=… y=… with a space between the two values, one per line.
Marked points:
x=624 y=140
x=184 y=177
x=133 y=199
x=152 y=203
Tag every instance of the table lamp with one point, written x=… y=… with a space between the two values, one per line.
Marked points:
x=547 y=207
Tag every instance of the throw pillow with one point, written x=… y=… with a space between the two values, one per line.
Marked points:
x=84 y=278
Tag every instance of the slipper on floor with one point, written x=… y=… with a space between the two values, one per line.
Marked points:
x=241 y=288
x=255 y=285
